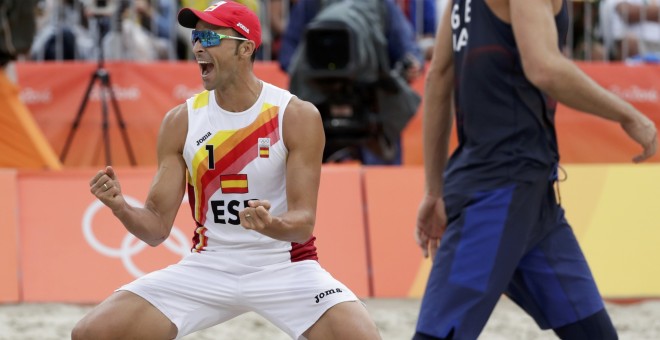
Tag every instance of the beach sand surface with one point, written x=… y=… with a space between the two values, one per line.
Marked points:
x=395 y=319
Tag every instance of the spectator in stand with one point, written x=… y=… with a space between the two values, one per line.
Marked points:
x=586 y=43
x=62 y=31
x=631 y=27
x=157 y=16
x=17 y=30
x=424 y=21
x=277 y=17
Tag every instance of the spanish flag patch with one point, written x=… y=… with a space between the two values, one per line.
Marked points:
x=264 y=147
x=234 y=184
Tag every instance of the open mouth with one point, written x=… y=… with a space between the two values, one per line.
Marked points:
x=205 y=67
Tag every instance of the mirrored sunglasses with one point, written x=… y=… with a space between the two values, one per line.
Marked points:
x=209 y=38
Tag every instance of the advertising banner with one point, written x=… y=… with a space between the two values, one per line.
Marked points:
x=74 y=249
x=9 y=270
x=611 y=208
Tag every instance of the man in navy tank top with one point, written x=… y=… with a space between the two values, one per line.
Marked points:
x=491 y=222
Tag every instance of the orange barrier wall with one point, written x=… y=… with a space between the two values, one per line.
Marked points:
x=73 y=249
x=9 y=279
x=340 y=232
x=147 y=91
x=392 y=196
x=614 y=212
x=612 y=208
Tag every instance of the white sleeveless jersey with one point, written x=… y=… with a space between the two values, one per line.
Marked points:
x=233 y=157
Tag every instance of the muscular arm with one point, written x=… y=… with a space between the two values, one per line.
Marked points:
x=431 y=216
x=304 y=138
x=544 y=65
x=153 y=223
x=437 y=119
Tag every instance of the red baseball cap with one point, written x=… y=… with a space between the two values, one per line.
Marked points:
x=225 y=14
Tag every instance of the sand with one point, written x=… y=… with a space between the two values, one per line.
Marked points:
x=394 y=317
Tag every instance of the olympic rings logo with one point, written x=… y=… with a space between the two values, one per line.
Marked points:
x=129 y=247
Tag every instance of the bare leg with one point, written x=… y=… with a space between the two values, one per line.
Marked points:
x=124 y=315
x=345 y=321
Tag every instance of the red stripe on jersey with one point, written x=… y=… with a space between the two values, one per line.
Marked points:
x=199 y=240
x=233 y=161
x=234 y=177
x=304 y=251
x=235 y=190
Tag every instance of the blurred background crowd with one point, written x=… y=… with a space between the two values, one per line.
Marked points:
x=146 y=30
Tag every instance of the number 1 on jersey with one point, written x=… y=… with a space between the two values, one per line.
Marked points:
x=209 y=148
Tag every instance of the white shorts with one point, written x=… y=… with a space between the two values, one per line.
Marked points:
x=194 y=294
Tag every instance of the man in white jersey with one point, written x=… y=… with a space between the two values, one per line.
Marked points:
x=249 y=155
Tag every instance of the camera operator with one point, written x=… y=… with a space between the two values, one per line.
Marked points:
x=347 y=97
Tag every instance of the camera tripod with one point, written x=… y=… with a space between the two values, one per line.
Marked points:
x=103 y=76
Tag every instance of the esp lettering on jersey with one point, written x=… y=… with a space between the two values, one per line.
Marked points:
x=460 y=17
x=228 y=209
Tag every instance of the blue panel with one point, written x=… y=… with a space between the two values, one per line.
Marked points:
x=480 y=238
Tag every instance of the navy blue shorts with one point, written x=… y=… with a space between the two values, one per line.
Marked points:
x=513 y=240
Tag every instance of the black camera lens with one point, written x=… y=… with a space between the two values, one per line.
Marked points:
x=328 y=49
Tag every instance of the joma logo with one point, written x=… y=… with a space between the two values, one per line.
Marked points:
x=243 y=27
x=205 y=137
x=326 y=293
